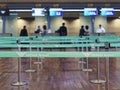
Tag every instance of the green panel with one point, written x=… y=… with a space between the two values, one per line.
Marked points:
x=49 y=45
x=58 y=39
x=59 y=54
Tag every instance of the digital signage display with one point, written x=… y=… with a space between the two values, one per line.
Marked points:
x=38 y=11
x=55 y=12
x=107 y=12
x=90 y=11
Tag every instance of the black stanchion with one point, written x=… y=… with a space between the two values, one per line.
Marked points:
x=99 y=34
x=36 y=36
x=107 y=46
x=31 y=38
x=97 y=40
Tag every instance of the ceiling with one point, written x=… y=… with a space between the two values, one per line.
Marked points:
x=26 y=4
x=54 y=1
x=66 y=4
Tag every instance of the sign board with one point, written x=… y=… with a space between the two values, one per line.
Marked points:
x=107 y=12
x=38 y=11
x=55 y=11
x=4 y=12
x=90 y=11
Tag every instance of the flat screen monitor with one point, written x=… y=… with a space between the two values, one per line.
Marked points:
x=38 y=11
x=4 y=12
x=90 y=11
x=55 y=11
x=107 y=12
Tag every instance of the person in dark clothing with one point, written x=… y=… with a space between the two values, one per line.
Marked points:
x=82 y=31
x=87 y=31
x=45 y=30
x=24 y=31
x=63 y=30
x=38 y=30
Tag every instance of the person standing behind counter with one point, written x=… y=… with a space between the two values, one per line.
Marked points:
x=24 y=31
x=45 y=30
x=87 y=31
x=82 y=31
x=38 y=30
x=63 y=30
x=100 y=29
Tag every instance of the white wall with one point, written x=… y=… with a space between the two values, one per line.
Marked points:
x=11 y=25
x=56 y=23
x=114 y=25
x=73 y=26
x=40 y=21
x=0 y=24
x=85 y=20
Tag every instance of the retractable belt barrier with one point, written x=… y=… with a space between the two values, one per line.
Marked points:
x=49 y=45
x=47 y=38
x=15 y=54
x=76 y=42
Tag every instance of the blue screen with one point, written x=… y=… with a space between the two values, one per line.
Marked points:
x=90 y=12
x=55 y=12
x=107 y=12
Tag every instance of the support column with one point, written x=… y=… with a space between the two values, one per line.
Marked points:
x=92 y=23
x=48 y=18
x=3 y=24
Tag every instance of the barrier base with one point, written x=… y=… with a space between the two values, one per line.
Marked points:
x=98 y=81
x=18 y=83
x=30 y=71
x=37 y=62
x=81 y=62
x=87 y=70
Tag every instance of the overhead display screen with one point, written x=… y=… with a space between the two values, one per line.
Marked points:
x=4 y=12
x=107 y=11
x=38 y=11
x=90 y=11
x=55 y=11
